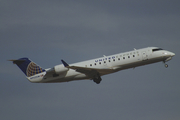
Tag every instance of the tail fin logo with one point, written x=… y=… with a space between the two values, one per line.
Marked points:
x=33 y=69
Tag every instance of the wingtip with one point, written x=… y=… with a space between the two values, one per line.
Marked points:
x=64 y=63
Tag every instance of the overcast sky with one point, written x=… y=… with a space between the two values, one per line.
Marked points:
x=47 y=31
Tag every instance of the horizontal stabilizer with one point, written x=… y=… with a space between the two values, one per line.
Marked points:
x=17 y=61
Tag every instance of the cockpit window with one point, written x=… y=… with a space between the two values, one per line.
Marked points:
x=157 y=49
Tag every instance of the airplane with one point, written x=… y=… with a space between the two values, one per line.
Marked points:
x=92 y=69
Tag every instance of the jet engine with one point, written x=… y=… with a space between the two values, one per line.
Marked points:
x=60 y=69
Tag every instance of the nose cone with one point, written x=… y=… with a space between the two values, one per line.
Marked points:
x=172 y=54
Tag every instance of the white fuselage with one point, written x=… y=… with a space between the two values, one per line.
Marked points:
x=114 y=63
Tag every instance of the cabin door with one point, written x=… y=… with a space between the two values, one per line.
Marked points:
x=144 y=55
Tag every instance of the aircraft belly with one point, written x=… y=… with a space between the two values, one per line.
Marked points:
x=71 y=75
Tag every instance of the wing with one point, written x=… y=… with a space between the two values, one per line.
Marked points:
x=88 y=71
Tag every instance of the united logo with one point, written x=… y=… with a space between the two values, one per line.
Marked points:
x=33 y=69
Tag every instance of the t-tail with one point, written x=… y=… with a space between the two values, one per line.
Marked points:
x=33 y=72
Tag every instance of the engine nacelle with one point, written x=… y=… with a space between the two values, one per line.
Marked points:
x=60 y=69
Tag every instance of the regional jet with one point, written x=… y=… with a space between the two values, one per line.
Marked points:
x=92 y=69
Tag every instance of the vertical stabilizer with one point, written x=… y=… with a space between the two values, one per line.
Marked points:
x=28 y=67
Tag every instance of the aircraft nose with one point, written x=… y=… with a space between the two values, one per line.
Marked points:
x=172 y=54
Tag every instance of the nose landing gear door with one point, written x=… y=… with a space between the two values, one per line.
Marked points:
x=144 y=55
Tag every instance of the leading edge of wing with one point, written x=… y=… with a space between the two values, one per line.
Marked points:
x=87 y=70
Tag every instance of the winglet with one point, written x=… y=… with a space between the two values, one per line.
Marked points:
x=64 y=63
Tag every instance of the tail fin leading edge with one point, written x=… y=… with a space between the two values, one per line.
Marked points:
x=28 y=67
